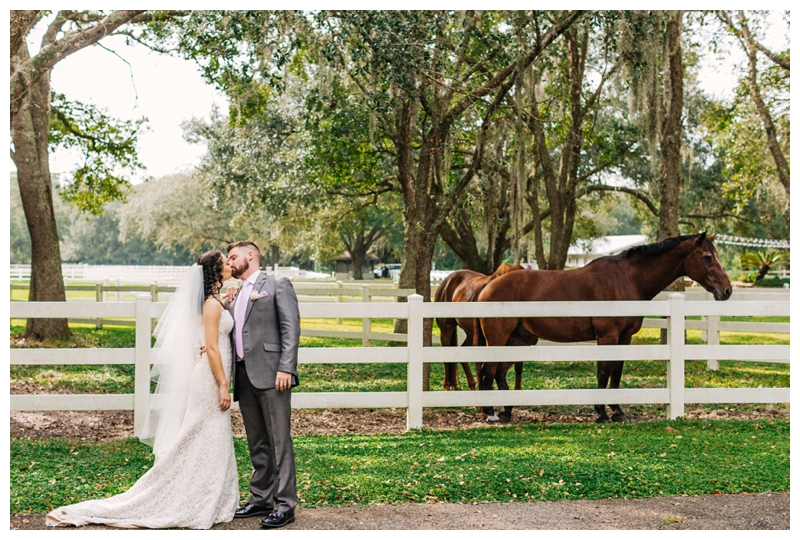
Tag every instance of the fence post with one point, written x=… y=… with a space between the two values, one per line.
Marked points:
x=414 y=384
x=141 y=378
x=338 y=298
x=153 y=298
x=366 y=324
x=676 y=336
x=99 y=298
x=713 y=337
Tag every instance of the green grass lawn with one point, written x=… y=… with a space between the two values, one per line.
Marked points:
x=512 y=463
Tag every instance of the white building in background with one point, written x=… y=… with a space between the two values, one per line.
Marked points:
x=586 y=251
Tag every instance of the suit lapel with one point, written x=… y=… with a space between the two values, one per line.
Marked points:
x=257 y=286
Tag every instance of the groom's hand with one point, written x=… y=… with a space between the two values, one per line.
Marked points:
x=283 y=381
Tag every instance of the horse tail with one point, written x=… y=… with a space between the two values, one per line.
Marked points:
x=478 y=340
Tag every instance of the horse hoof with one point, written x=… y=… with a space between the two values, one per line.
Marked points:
x=603 y=420
x=619 y=417
x=504 y=419
x=493 y=418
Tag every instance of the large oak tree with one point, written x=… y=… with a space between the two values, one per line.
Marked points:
x=32 y=115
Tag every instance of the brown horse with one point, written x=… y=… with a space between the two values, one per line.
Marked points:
x=639 y=273
x=465 y=286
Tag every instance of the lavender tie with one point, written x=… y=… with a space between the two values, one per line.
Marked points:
x=238 y=315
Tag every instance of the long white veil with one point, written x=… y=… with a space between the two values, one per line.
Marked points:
x=179 y=335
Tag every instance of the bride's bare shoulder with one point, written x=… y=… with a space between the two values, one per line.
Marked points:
x=212 y=306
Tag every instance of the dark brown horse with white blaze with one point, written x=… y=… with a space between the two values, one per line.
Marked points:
x=465 y=286
x=639 y=273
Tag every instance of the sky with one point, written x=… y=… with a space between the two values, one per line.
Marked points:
x=131 y=82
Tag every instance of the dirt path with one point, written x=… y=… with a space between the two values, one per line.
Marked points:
x=111 y=425
x=766 y=511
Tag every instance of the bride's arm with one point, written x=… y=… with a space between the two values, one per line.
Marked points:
x=212 y=310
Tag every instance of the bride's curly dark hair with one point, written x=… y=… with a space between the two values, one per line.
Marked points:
x=211 y=261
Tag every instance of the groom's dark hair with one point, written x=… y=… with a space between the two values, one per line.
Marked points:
x=246 y=244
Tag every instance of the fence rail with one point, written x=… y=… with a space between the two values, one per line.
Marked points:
x=414 y=355
x=341 y=292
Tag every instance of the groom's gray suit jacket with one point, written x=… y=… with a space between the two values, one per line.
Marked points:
x=271 y=332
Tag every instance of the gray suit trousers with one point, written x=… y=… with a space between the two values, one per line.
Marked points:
x=273 y=483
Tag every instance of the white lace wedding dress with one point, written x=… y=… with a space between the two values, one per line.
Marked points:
x=194 y=484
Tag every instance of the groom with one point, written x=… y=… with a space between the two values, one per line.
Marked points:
x=265 y=338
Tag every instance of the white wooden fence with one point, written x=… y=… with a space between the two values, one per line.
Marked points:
x=358 y=291
x=675 y=395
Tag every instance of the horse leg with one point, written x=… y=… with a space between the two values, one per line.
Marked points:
x=616 y=374
x=468 y=372
x=603 y=373
x=450 y=376
x=502 y=384
x=518 y=375
x=486 y=377
x=447 y=336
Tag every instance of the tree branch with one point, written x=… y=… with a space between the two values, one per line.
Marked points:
x=725 y=18
x=621 y=189
x=30 y=71
x=519 y=63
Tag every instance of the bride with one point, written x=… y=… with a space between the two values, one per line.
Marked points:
x=193 y=482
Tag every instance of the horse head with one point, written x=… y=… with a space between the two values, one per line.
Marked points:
x=703 y=266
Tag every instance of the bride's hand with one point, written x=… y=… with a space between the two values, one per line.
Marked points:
x=224 y=398
x=230 y=294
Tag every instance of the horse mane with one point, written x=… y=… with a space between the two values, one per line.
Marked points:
x=657 y=248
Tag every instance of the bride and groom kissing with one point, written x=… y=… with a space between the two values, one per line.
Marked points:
x=202 y=340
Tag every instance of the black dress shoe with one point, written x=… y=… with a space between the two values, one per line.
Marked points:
x=278 y=519
x=250 y=510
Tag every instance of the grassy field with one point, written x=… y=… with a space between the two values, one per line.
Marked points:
x=522 y=463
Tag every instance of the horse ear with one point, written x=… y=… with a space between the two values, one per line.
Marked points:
x=712 y=237
x=700 y=238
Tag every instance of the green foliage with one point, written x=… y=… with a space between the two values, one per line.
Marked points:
x=764 y=260
x=758 y=259
x=772 y=282
x=93 y=239
x=513 y=463
x=108 y=147
x=346 y=153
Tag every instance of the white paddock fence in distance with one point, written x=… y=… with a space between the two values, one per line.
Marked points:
x=675 y=353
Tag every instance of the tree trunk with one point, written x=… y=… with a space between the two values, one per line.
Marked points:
x=276 y=255
x=669 y=185
x=416 y=274
x=30 y=128
x=461 y=239
x=357 y=253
